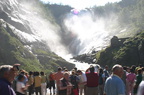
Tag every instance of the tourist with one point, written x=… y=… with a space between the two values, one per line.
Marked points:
x=51 y=83
x=7 y=75
x=43 y=83
x=114 y=84
x=141 y=89
x=31 y=83
x=20 y=86
x=64 y=86
x=37 y=83
x=106 y=72
x=74 y=81
x=130 y=82
x=58 y=76
x=138 y=80
x=101 y=81
x=92 y=81
x=82 y=83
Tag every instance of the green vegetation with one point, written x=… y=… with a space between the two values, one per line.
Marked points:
x=129 y=14
x=13 y=51
x=38 y=57
x=125 y=51
x=58 y=11
x=129 y=53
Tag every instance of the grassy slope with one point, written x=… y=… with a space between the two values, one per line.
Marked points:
x=131 y=52
x=13 y=51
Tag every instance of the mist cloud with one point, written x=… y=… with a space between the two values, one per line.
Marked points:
x=89 y=31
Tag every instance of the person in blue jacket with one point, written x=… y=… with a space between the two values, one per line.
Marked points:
x=7 y=75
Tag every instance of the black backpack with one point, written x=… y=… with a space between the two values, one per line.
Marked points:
x=74 y=81
x=100 y=79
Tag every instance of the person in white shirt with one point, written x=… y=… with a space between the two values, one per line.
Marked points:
x=82 y=83
x=20 y=86
x=141 y=89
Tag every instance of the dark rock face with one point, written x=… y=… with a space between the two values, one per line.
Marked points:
x=124 y=51
x=116 y=42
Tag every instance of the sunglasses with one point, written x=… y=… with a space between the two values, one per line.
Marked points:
x=15 y=67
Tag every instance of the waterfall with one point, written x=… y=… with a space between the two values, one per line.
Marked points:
x=31 y=26
x=86 y=30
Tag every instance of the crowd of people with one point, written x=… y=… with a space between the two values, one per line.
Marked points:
x=120 y=80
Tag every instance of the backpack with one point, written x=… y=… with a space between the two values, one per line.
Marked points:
x=74 y=81
x=100 y=79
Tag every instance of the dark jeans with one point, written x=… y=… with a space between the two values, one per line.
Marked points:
x=31 y=89
x=52 y=84
x=38 y=90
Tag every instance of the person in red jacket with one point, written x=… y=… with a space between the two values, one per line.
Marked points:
x=92 y=81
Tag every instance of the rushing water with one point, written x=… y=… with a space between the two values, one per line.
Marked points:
x=86 y=31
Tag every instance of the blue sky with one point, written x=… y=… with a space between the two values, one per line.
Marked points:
x=80 y=4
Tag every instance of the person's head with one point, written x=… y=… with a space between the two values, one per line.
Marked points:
x=133 y=67
x=8 y=72
x=79 y=72
x=59 y=69
x=132 y=70
x=64 y=68
x=92 y=69
x=128 y=69
x=23 y=72
x=118 y=70
x=106 y=67
x=73 y=72
x=37 y=73
x=140 y=65
x=125 y=68
x=30 y=73
x=42 y=73
x=20 y=77
x=66 y=76
x=75 y=68
x=139 y=71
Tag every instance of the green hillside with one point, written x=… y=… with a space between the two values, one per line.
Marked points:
x=124 y=51
x=129 y=15
x=12 y=51
x=34 y=56
x=127 y=52
x=126 y=48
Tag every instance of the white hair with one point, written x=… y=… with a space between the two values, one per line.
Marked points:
x=4 y=68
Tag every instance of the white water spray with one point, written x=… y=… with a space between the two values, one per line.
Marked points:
x=89 y=33
x=85 y=31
